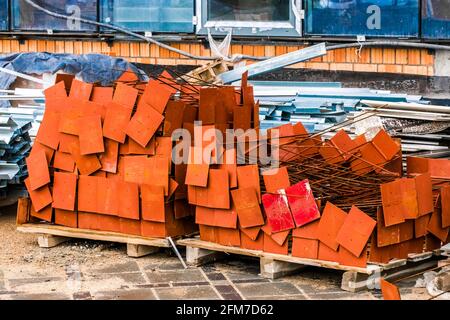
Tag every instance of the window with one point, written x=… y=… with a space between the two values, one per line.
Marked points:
x=250 y=17
x=386 y=18
x=4 y=15
x=436 y=19
x=149 y=15
x=27 y=18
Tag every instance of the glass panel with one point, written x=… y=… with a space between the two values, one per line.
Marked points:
x=3 y=15
x=149 y=15
x=399 y=18
x=248 y=10
x=25 y=17
x=436 y=19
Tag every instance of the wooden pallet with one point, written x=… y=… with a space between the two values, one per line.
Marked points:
x=208 y=73
x=50 y=236
x=274 y=266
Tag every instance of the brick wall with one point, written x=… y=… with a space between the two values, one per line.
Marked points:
x=383 y=60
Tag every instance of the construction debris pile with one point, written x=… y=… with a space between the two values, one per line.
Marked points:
x=102 y=160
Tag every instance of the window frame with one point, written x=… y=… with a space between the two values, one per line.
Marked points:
x=291 y=28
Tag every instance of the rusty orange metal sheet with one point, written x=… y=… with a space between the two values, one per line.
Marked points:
x=340 y=148
x=249 y=243
x=147 y=170
x=399 y=201
x=278 y=213
x=356 y=231
x=385 y=145
x=216 y=217
x=197 y=170
x=228 y=237
x=48 y=133
x=91 y=135
x=174 y=117
x=182 y=209
x=110 y=158
x=242 y=117
x=156 y=95
x=247 y=207
x=328 y=254
x=86 y=165
x=302 y=203
x=38 y=170
x=424 y=190
x=128 y=194
x=420 y=226
x=389 y=291
x=207 y=108
x=98 y=195
x=251 y=233
x=309 y=231
x=380 y=254
x=445 y=205
x=270 y=246
x=81 y=90
x=229 y=163
x=38 y=147
x=305 y=248
x=144 y=124
x=128 y=226
x=66 y=140
x=102 y=95
x=40 y=198
x=278 y=237
x=66 y=78
x=164 y=148
x=276 y=179
x=346 y=258
x=66 y=218
x=438 y=168
x=116 y=121
x=216 y=195
x=173 y=186
x=45 y=214
x=130 y=147
x=435 y=226
x=153 y=208
x=331 y=222
x=248 y=177
x=90 y=108
x=125 y=95
x=64 y=191
x=69 y=121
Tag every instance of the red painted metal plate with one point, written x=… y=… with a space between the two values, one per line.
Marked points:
x=64 y=191
x=247 y=207
x=40 y=198
x=144 y=125
x=91 y=135
x=153 y=208
x=278 y=213
x=302 y=203
x=248 y=177
x=110 y=158
x=331 y=222
x=116 y=121
x=276 y=179
x=216 y=217
x=356 y=231
x=38 y=170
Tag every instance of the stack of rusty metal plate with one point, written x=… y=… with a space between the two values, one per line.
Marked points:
x=102 y=158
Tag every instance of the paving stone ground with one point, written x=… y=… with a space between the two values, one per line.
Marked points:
x=87 y=270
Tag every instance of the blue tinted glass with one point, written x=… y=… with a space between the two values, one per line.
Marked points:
x=149 y=15
x=436 y=19
x=395 y=18
x=25 y=17
x=3 y=14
